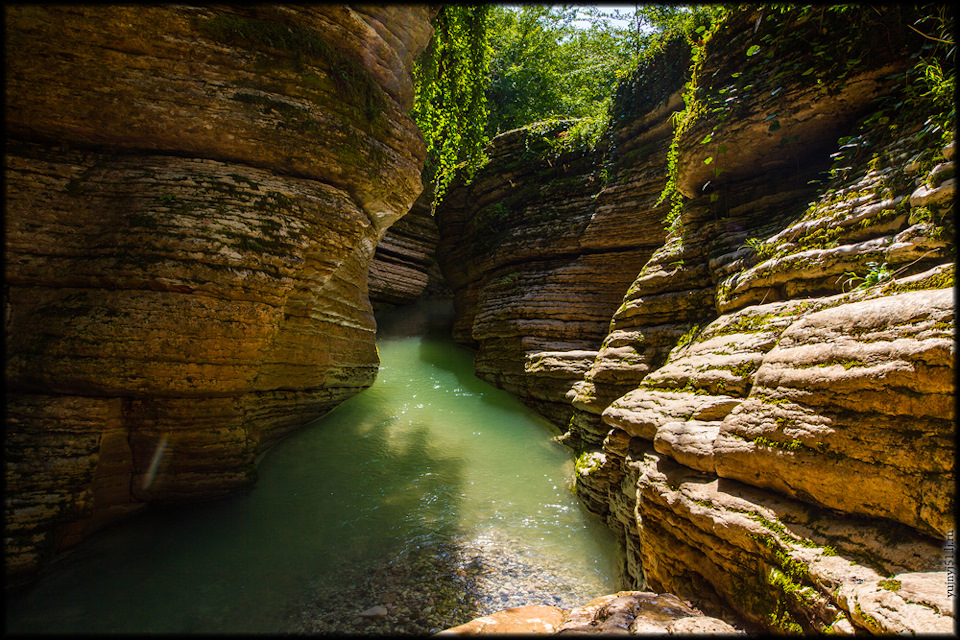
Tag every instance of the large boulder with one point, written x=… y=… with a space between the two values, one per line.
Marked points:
x=625 y=612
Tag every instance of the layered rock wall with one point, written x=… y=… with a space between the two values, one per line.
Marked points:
x=404 y=267
x=538 y=251
x=768 y=422
x=194 y=196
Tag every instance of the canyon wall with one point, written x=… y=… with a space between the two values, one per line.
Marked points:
x=404 y=267
x=194 y=196
x=538 y=252
x=761 y=395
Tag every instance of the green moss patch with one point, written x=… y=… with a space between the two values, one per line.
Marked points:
x=890 y=585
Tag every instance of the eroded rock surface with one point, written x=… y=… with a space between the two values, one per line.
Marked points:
x=531 y=618
x=867 y=386
x=768 y=422
x=194 y=195
x=404 y=266
x=625 y=612
x=538 y=250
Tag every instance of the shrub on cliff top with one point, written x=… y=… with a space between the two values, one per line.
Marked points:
x=796 y=45
x=491 y=69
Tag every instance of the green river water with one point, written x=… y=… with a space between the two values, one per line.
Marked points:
x=429 y=453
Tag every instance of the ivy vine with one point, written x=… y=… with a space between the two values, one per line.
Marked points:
x=693 y=110
x=795 y=45
x=450 y=106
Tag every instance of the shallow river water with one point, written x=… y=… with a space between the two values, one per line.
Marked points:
x=431 y=494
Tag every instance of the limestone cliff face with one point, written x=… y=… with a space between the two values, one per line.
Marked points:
x=537 y=248
x=193 y=199
x=768 y=422
x=404 y=266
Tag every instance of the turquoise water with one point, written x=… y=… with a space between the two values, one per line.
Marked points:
x=426 y=453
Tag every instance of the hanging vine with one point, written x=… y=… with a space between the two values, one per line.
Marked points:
x=450 y=107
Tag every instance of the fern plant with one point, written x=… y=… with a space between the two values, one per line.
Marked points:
x=876 y=273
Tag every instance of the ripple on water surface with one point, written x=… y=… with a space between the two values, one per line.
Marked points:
x=357 y=507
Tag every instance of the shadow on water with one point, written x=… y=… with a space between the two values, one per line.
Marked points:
x=430 y=494
x=334 y=499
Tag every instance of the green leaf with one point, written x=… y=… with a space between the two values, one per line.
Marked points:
x=707 y=138
x=754 y=50
x=708 y=160
x=774 y=125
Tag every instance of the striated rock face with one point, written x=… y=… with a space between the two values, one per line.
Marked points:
x=817 y=394
x=193 y=199
x=625 y=612
x=404 y=266
x=538 y=249
x=768 y=422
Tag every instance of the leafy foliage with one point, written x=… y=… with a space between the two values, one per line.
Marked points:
x=699 y=31
x=936 y=69
x=791 y=45
x=493 y=68
x=450 y=106
x=544 y=67
x=924 y=93
x=563 y=62
x=876 y=273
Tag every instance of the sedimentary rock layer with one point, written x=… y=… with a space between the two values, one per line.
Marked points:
x=194 y=195
x=768 y=423
x=404 y=267
x=867 y=385
x=539 y=251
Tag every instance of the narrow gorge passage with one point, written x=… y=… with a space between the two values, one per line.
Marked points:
x=428 y=458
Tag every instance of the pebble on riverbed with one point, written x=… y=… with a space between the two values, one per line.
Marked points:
x=438 y=585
